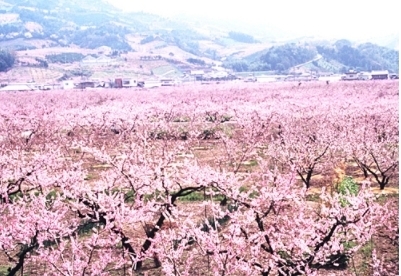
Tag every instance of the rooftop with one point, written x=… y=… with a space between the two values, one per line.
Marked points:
x=380 y=72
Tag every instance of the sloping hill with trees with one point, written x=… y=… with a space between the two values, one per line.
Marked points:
x=366 y=56
x=340 y=56
x=90 y=24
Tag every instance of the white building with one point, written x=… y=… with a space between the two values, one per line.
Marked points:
x=17 y=87
x=168 y=82
x=380 y=75
x=351 y=75
x=68 y=84
x=151 y=84
x=364 y=76
x=127 y=83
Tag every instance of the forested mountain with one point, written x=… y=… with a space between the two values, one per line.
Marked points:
x=340 y=56
x=277 y=58
x=90 y=24
x=366 y=56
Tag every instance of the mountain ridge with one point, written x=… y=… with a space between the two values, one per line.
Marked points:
x=29 y=25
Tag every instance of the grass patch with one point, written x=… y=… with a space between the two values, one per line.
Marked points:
x=244 y=189
x=367 y=249
x=199 y=196
x=16 y=196
x=4 y=270
x=347 y=186
x=129 y=196
x=52 y=195
x=364 y=267
x=195 y=196
x=383 y=198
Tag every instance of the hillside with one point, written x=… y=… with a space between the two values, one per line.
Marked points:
x=339 y=56
x=126 y=44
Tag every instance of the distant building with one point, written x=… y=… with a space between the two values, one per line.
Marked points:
x=167 y=82
x=150 y=84
x=18 y=87
x=86 y=84
x=216 y=76
x=380 y=75
x=127 y=83
x=198 y=74
x=364 y=76
x=118 y=83
x=351 y=75
x=250 y=78
x=68 y=84
x=50 y=86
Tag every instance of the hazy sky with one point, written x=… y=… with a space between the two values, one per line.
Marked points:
x=330 y=18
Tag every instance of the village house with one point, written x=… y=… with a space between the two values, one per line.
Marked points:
x=129 y=82
x=167 y=82
x=380 y=75
x=86 y=84
x=197 y=74
x=118 y=83
x=351 y=75
x=364 y=76
x=149 y=83
x=18 y=87
x=50 y=86
x=68 y=84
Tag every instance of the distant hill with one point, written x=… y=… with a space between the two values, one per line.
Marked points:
x=340 y=56
x=61 y=32
x=88 y=24
x=365 y=56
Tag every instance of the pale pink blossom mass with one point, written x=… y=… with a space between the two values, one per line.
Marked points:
x=228 y=179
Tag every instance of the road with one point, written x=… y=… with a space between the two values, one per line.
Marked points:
x=318 y=56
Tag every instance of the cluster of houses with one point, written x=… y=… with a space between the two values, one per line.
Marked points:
x=197 y=76
x=312 y=76
x=373 y=75
x=85 y=84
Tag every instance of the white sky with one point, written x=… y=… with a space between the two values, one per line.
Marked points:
x=339 y=18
